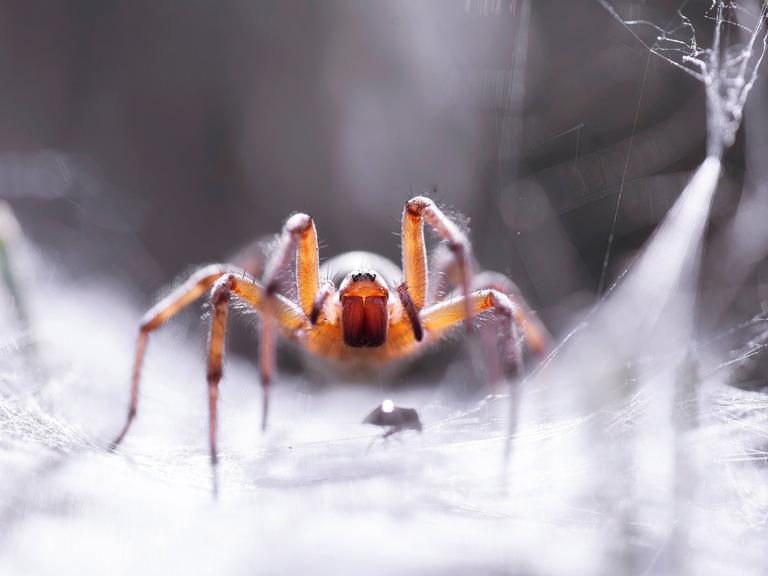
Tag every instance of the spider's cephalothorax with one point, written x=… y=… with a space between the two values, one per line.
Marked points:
x=369 y=319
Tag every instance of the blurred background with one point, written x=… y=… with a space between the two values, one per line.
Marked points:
x=141 y=138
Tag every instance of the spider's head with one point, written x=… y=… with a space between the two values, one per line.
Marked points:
x=364 y=312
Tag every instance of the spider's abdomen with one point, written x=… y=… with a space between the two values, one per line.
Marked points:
x=364 y=320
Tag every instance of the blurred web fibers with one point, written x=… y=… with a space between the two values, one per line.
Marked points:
x=638 y=342
x=663 y=282
x=632 y=362
x=728 y=69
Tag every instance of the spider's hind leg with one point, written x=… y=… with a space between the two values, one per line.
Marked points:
x=525 y=331
x=515 y=320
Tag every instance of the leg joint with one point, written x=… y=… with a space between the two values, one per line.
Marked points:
x=298 y=223
x=220 y=293
x=272 y=287
x=266 y=378
x=214 y=376
x=458 y=246
x=416 y=205
x=500 y=303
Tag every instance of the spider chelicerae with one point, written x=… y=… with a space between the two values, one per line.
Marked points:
x=372 y=318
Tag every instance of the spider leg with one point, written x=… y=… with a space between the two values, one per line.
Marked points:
x=276 y=309
x=441 y=317
x=220 y=299
x=536 y=336
x=184 y=295
x=299 y=236
x=325 y=292
x=220 y=296
x=443 y=273
x=266 y=360
x=289 y=316
x=418 y=210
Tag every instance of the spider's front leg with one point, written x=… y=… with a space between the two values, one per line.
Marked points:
x=277 y=309
x=299 y=236
x=418 y=210
x=220 y=296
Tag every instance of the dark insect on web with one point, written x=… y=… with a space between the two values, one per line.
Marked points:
x=394 y=417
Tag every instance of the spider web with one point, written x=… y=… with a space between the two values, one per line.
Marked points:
x=728 y=66
x=658 y=458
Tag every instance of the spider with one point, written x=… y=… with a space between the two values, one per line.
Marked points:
x=370 y=319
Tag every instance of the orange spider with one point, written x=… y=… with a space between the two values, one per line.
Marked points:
x=360 y=323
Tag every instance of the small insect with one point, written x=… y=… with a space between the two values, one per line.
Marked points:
x=396 y=418
x=371 y=318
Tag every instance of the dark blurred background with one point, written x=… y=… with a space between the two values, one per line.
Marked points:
x=139 y=138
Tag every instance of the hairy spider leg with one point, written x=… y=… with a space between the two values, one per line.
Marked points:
x=299 y=236
x=533 y=331
x=320 y=305
x=220 y=295
x=184 y=295
x=529 y=329
x=440 y=317
x=288 y=315
x=418 y=210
